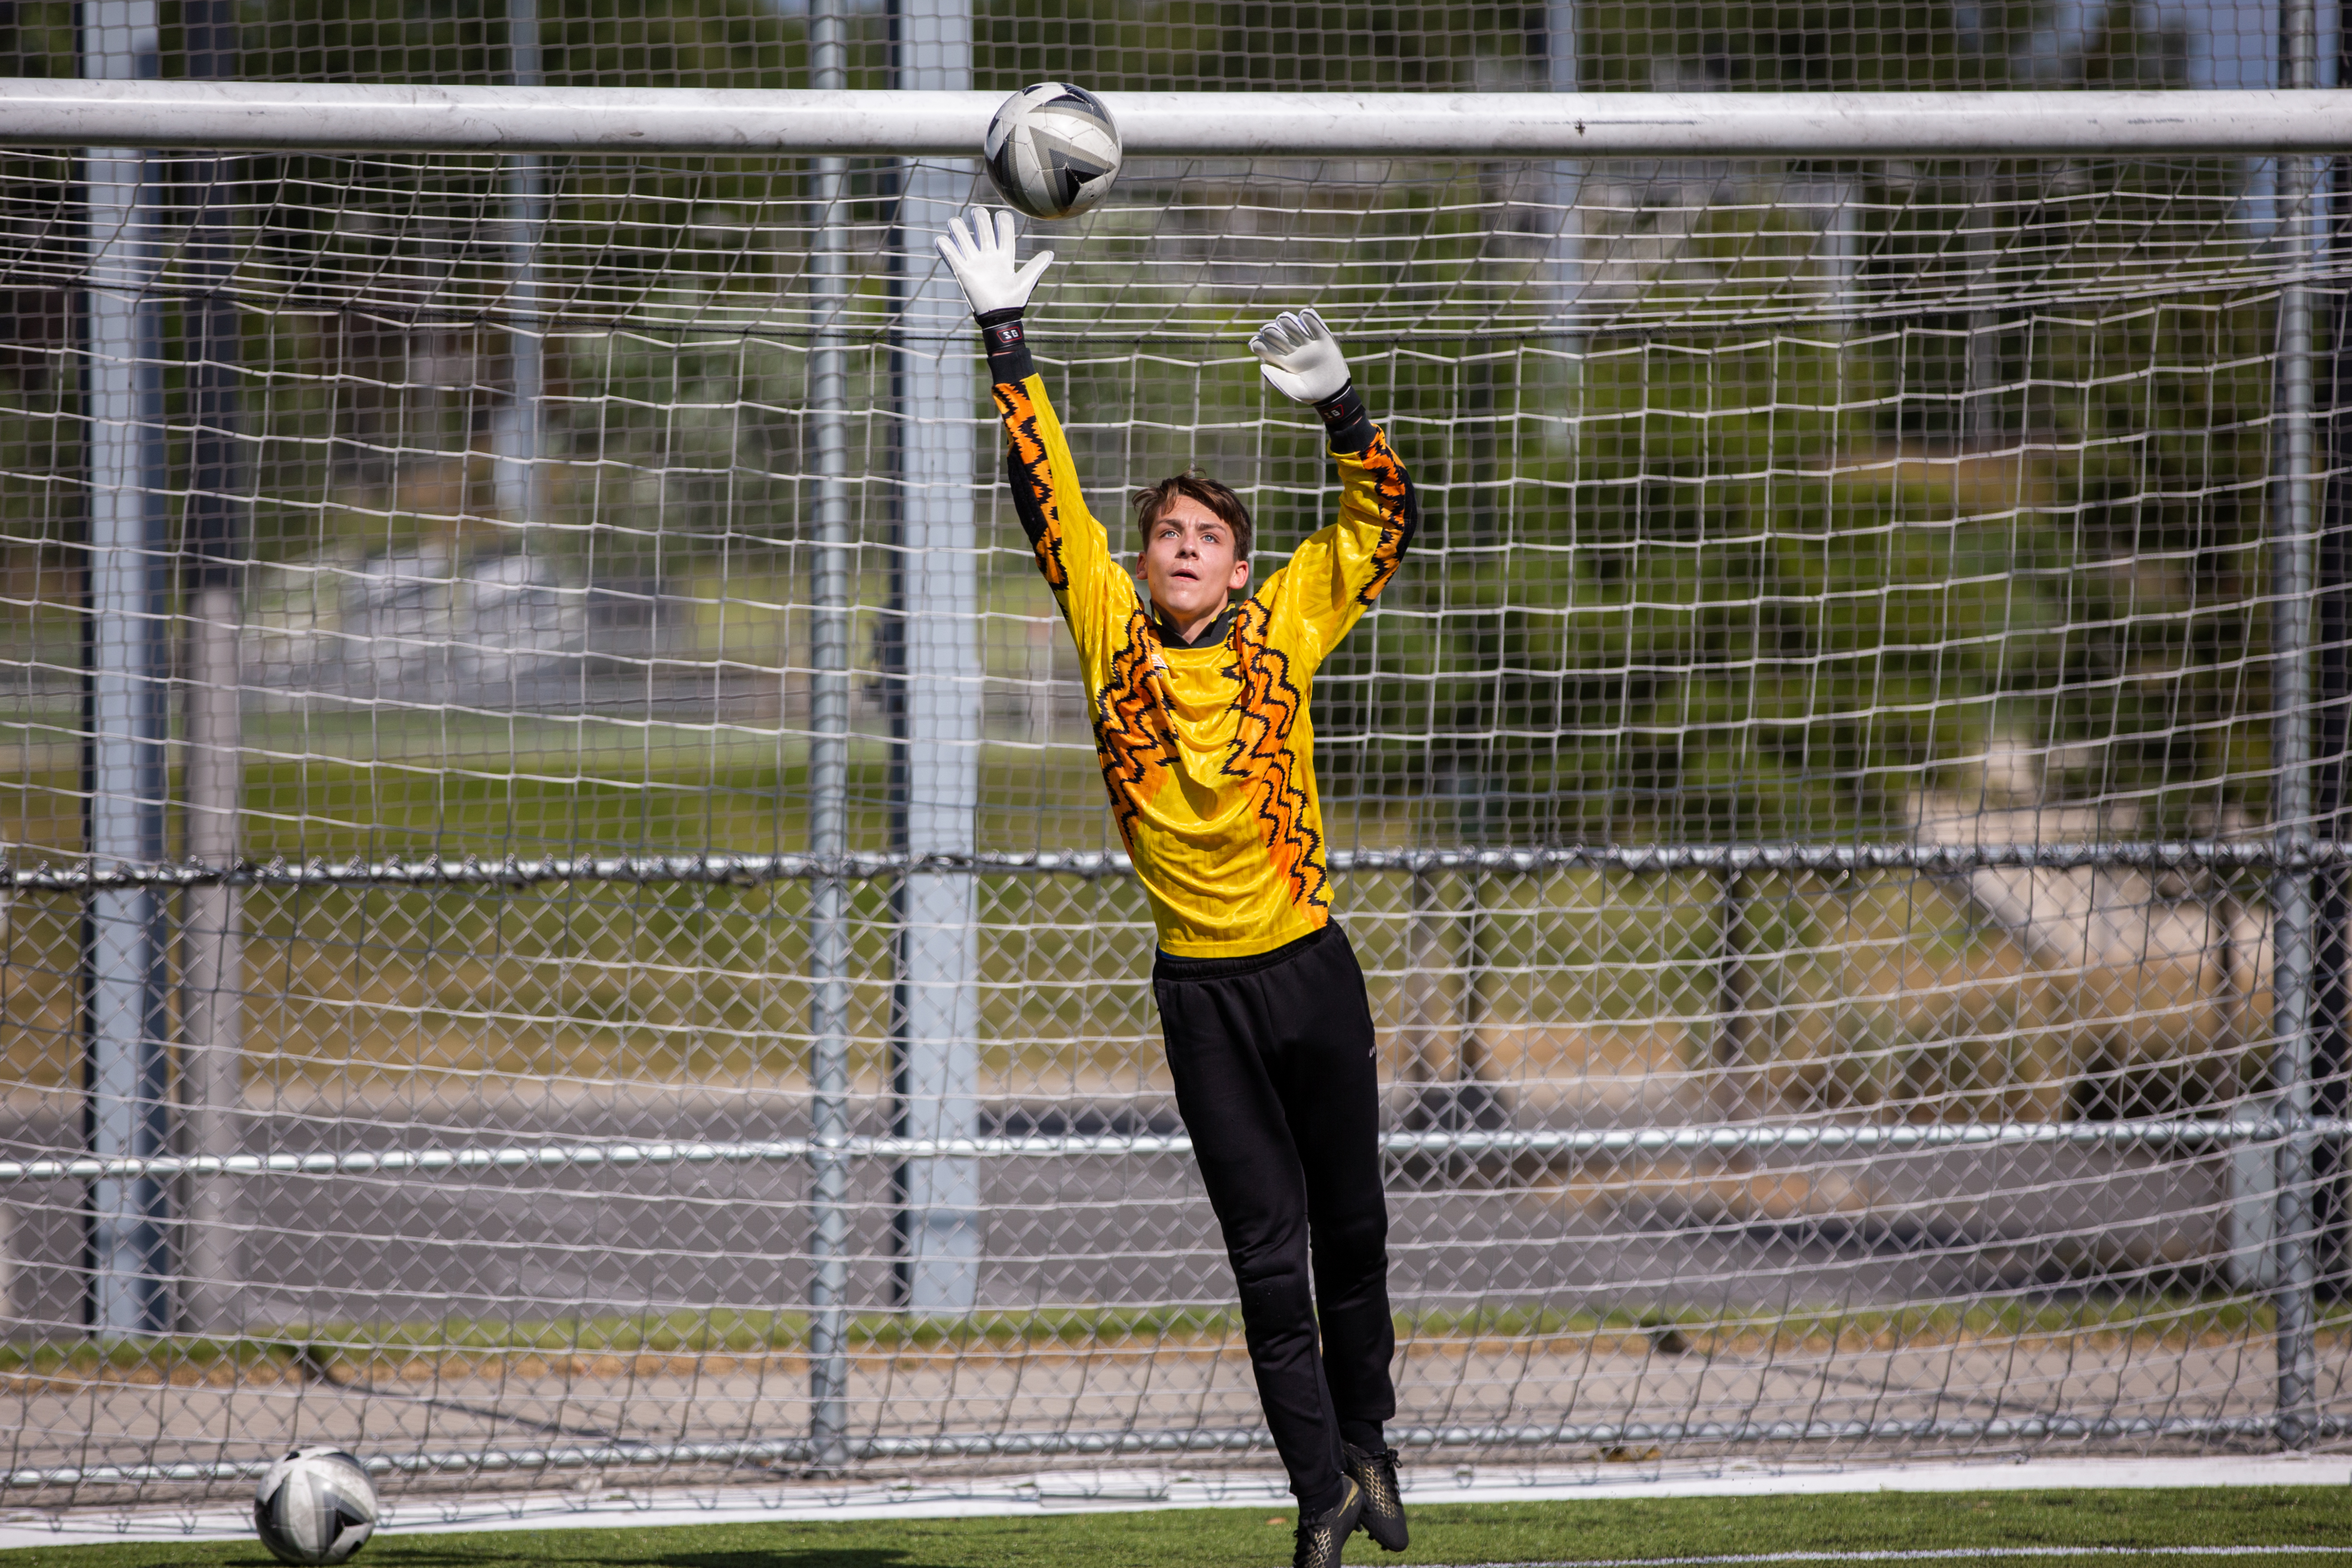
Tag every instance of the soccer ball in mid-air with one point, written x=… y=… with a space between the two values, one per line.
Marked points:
x=314 y=1505
x=1052 y=150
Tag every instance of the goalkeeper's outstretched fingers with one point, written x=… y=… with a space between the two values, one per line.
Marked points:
x=1299 y=358
x=978 y=248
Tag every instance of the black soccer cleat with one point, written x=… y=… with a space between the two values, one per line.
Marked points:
x=1320 y=1537
x=1383 y=1518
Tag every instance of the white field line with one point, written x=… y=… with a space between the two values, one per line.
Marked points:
x=1940 y=1555
x=223 y=1516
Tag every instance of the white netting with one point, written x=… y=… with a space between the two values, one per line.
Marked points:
x=1913 y=508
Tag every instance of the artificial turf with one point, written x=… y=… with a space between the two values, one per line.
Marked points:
x=2173 y=1523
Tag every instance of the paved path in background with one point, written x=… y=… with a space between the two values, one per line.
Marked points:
x=2024 y=1229
x=1174 y=1386
x=1089 y=1232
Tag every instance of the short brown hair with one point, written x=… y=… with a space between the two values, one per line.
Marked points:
x=1153 y=500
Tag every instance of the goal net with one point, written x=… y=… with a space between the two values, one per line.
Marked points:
x=1837 y=812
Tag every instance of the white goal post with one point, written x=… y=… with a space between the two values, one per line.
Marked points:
x=421 y=117
x=1844 y=812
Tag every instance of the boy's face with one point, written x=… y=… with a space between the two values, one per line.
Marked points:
x=1187 y=562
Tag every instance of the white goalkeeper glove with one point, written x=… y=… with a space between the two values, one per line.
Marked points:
x=981 y=256
x=1300 y=359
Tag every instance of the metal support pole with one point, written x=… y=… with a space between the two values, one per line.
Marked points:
x=1731 y=999
x=212 y=964
x=515 y=433
x=2332 y=980
x=1428 y=1011
x=2292 y=549
x=1563 y=68
x=127 y=1068
x=213 y=961
x=2331 y=1009
x=828 y=397
x=1445 y=959
x=1477 y=1106
x=1979 y=426
x=935 y=1062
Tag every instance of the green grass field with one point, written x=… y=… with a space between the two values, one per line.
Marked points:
x=2117 y=1526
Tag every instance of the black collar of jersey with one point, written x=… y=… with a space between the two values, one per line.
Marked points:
x=1210 y=635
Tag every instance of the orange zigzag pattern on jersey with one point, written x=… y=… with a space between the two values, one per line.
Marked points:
x=1267 y=705
x=1029 y=463
x=1135 y=754
x=1389 y=484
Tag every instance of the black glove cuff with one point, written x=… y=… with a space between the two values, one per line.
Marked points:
x=1008 y=349
x=1345 y=421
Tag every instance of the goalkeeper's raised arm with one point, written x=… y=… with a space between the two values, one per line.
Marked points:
x=1200 y=702
x=1072 y=552
x=1335 y=574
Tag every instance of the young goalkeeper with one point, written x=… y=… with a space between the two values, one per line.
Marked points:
x=1199 y=701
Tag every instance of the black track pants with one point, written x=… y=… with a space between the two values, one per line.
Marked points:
x=1276 y=1083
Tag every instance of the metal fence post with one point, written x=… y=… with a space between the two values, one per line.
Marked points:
x=214 y=544
x=1564 y=182
x=1427 y=1011
x=127 y=1015
x=516 y=430
x=2331 y=1002
x=935 y=1061
x=1733 y=988
x=2292 y=548
x=829 y=786
x=2332 y=593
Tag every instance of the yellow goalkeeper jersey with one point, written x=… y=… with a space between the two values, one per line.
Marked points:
x=1208 y=751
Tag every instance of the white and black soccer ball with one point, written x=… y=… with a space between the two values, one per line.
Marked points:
x=314 y=1505
x=1052 y=150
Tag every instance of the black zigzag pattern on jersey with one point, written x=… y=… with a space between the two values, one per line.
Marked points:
x=1130 y=748
x=1028 y=475
x=1400 y=509
x=1267 y=706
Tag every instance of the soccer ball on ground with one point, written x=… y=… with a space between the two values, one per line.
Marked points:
x=314 y=1505
x=1052 y=150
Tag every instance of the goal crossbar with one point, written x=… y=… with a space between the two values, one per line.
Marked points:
x=427 y=117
